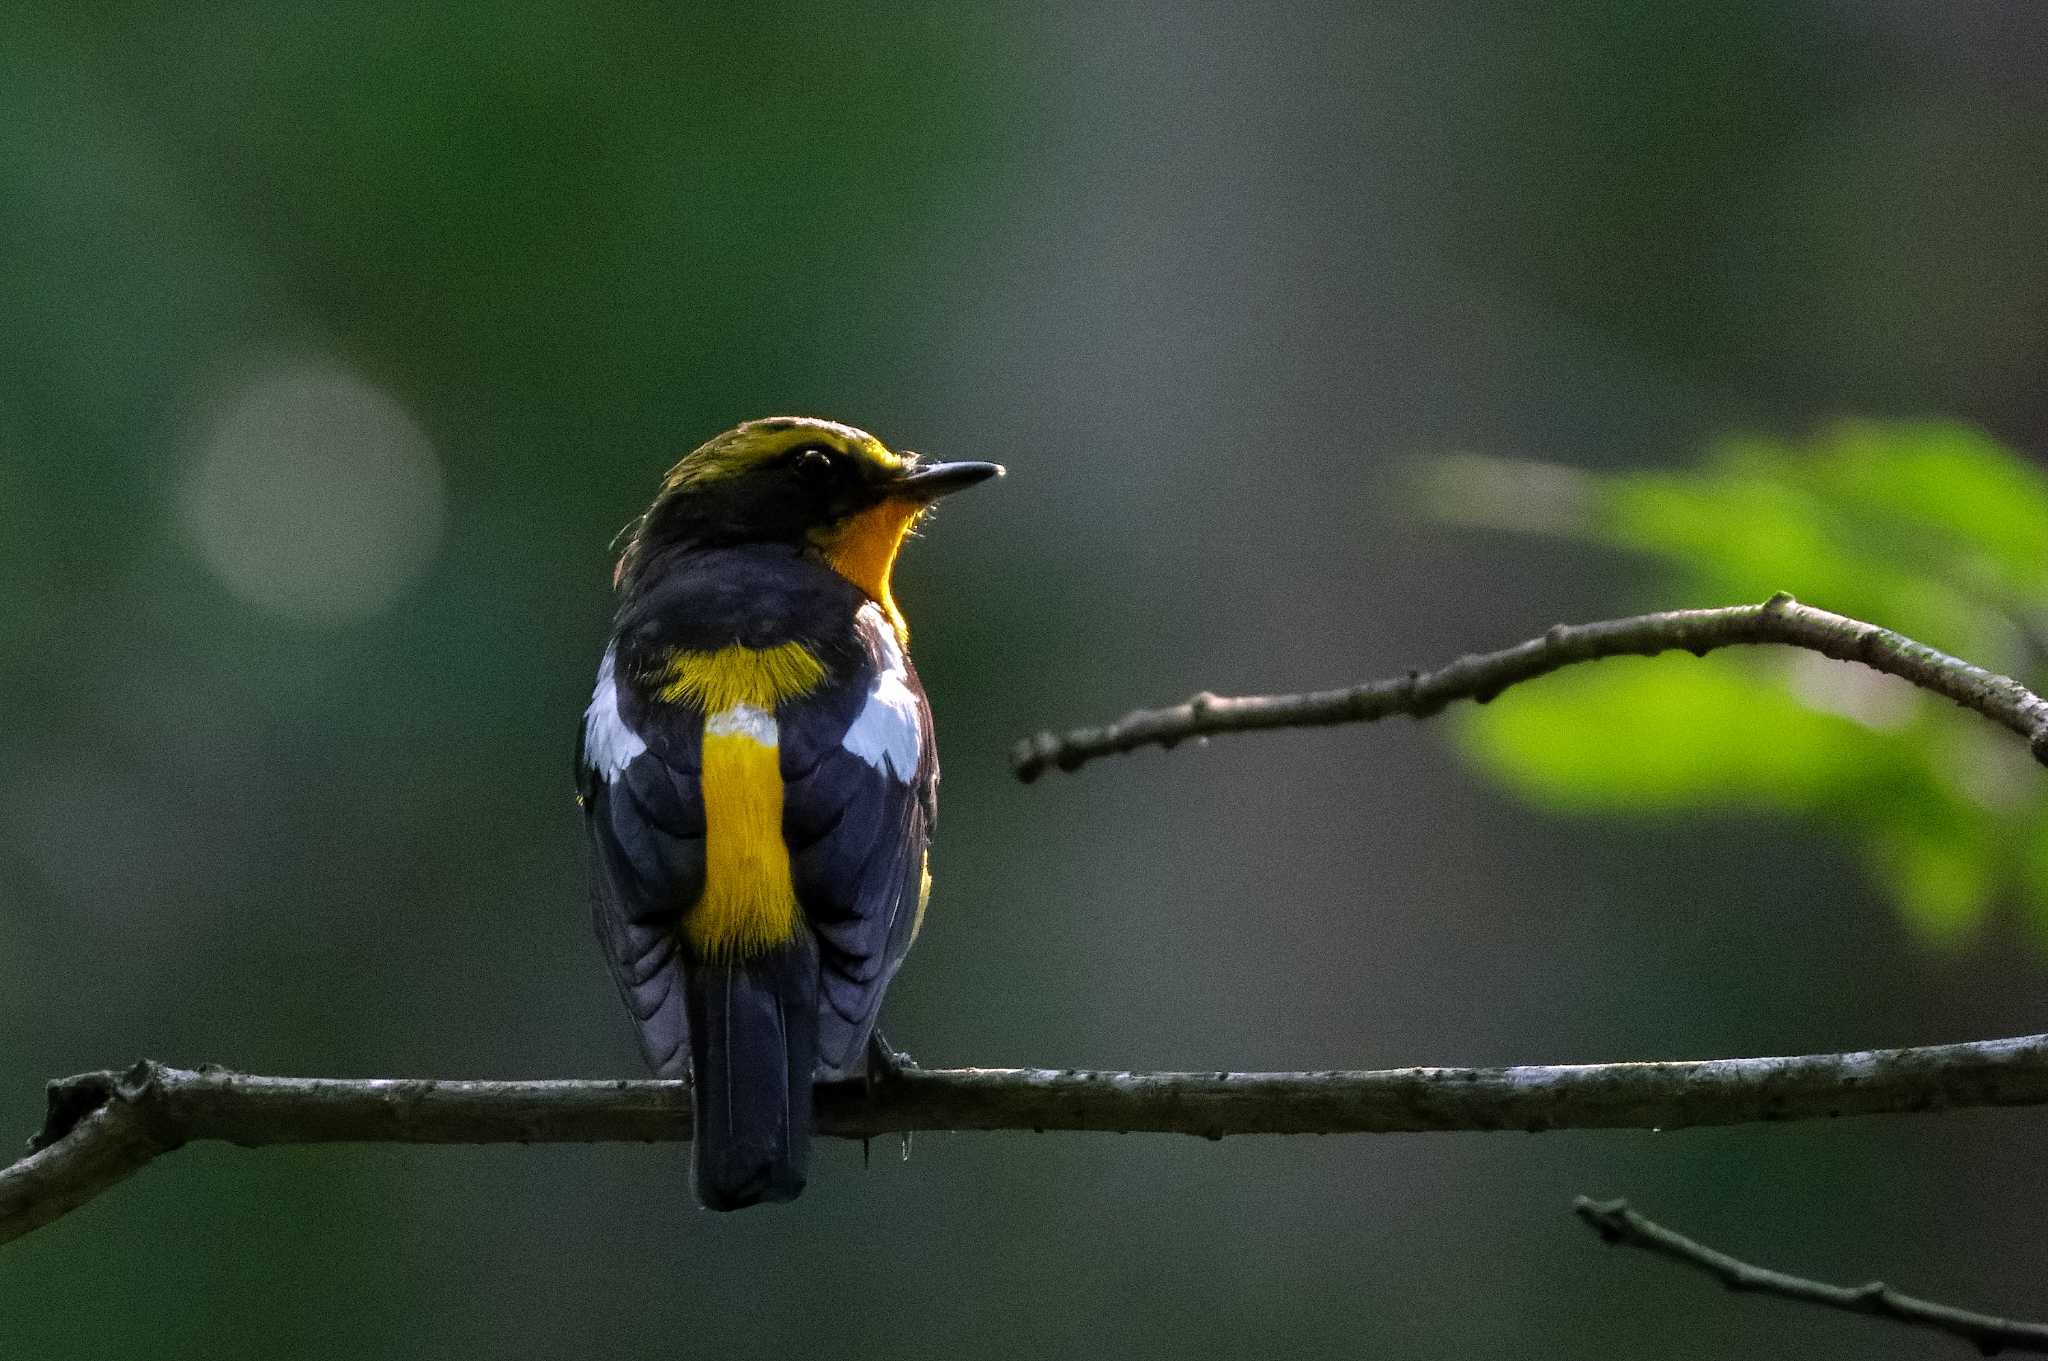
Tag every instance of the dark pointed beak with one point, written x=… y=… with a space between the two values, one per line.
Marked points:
x=929 y=481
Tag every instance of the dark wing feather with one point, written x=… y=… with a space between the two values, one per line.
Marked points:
x=857 y=831
x=646 y=830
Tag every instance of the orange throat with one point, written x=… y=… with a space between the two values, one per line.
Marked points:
x=864 y=552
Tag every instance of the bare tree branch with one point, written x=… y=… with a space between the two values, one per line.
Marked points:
x=1420 y=694
x=103 y=1126
x=1617 y=1223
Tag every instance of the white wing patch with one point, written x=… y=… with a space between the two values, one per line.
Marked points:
x=888 y=731
x=608 y=744
x=744 y=720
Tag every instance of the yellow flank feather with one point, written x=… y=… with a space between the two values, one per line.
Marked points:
x=749 y=901
x=924 y=896
x=760 y=677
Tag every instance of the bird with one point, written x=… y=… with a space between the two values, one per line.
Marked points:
x=759 y=781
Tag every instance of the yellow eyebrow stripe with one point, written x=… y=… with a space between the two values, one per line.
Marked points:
x=759 y=677
x=761 y=442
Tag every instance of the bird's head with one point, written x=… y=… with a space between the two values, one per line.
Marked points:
x=818 y=486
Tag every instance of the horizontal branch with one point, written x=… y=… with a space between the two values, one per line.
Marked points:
x=1480 y=677
x=1614 y=1221
x=102 y=1127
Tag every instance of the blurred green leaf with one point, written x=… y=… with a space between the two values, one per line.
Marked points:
x=1879 y=521
x=1941 y=865
x=1930 y=528
x=1980 y=505
x=1671 y=732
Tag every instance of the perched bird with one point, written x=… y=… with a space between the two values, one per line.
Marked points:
x=759 y=780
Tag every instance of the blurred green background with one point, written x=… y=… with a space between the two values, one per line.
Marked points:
x=339 y=340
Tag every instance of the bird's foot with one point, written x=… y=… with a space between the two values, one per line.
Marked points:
x=885 y=1063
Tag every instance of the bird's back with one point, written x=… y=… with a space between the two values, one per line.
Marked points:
x=759 y=781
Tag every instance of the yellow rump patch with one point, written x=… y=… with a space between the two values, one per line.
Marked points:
x=749 y=902
x=760 y=677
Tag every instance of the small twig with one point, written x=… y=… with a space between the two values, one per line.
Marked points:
x=1614 y=1221
x=1420 y=694
x=102 y=1127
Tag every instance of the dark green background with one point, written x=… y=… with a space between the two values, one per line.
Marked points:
x=1204 y=278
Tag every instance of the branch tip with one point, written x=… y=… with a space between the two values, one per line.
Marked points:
x=1615 y=1222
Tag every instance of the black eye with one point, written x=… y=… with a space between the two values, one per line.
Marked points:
x=812 y=463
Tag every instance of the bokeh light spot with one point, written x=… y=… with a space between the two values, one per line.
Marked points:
x=314 y=495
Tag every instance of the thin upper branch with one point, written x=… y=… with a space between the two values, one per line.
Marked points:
x=104 y=1126
x=1614 y=1221
x=1480 y=677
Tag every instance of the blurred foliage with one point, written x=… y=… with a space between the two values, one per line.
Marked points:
x=1932 y=529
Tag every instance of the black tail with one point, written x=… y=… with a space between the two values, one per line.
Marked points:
x=753 y=1048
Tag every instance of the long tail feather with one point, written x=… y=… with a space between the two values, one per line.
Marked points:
x=753 y=1047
